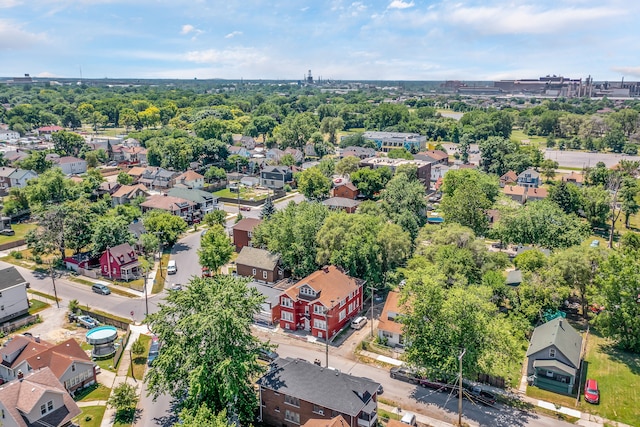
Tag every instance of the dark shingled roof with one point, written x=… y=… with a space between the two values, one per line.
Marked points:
x=324 y=387
x=259 y=258
x=10 y=277
x=560 y=333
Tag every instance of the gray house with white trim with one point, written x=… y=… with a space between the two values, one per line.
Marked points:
x=554 y=356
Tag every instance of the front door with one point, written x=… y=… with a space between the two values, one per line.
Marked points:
x=307 y=324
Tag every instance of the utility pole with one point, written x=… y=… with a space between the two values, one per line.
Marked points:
x=146 y=300
x=372 y=308
x=53 y=279
x=460 y=388
x=238 y=186
x=326 y=338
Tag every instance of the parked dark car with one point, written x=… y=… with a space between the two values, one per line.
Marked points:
x=482 y=396
x=154 y=350
x=268 y=355
x=405 y=373
x=99 y=288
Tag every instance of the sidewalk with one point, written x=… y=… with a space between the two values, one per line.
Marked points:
x=422 y=419
x=122 y=375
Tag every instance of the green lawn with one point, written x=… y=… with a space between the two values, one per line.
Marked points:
x=245 y=194
x=518 y=135
x=21 y=231
x=37 y=306
x=93 y=413
x=140 y=362
x=94 y=392
x=618 y=376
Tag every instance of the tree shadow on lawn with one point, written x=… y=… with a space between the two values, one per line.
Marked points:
x=631 y=360
x=128 y=416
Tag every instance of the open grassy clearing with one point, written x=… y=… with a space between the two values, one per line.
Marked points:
x=21 y=231
x=91 y=416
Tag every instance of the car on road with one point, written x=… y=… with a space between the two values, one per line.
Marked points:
x=591 y=391
x=245 y=208
x=405 y=373
x=99 y=288
x=176 y=287
x=409 y=418
x=267 y=355
x=87 y=321
x=482 y=395
x=172 y=267
x=359 y=322
x=154 y=350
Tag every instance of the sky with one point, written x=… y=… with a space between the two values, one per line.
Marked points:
x=335 y=39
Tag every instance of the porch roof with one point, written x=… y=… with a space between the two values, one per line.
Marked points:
x=555 y=364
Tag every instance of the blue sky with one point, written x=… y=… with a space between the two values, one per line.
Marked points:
x=336 y=39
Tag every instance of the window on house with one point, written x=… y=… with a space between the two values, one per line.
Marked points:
x=318 y=309
x=73 y=368
x=291 y=400
x=319 y=324
x=50 y=405
x=253 y=271
x=286 y=302
x=318 y=409
x=343 y=302
x=342 y=315
x=264 y=274
x=291 y=416
x=43 y=409
x=550 y=374
x=552 y=352
x=286 y=316
x=277 y=409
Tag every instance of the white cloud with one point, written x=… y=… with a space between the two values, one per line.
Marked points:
x=528 y=19
x=233 y=34
x=399 y=4
x=627 y=71
x=236 y=56
x=46 y=74
x=12 y=36
x=6 y=4
x=187 y=28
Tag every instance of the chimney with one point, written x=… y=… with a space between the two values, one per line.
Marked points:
x=325 y=268
x=20 y=375
x=37 y=338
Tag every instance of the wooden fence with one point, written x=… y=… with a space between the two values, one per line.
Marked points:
x=11 y=245
x=9 y=327
x=121 y=347
x=491 y=380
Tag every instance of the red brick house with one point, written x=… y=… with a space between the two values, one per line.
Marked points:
x=243 y=232
x=260 y=264
x=348 y=191
x=295 y=392
x=120 y=263
x=326 y=296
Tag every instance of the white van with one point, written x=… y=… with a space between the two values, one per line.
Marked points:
x=409 y=418
x=359 y=322
x=172 y=267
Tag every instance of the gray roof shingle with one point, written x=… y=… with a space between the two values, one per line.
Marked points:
x=324 y=387
x=560 y=333
x=258 y=258
x=10 y=277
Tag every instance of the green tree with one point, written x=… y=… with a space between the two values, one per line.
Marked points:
x=110 y=231
x=628 y=198
x=68 y=143
x=331 y=126
x=467 y=206
x=129 y=118
x=124 y=399
x=313 y=184
x=209 y=355
x=124 y=178
x=168 y=227
x=347 y=165
x=36 y=162
x=541 y=223
x=399 y=153
x=532 y=260
x=441 y=321
x=287 y=160
x=214 y=174
x=49 y=236
x=487 y=184
x=596 y=205
x=203 y=417
x=51 y=186
x=215 y=248
x=549 y=168
x=402 y=194
x=137 y=347
x=567 y=196
x=371 y=182
x=327 y=166
x=268 y=209
x=619 y=284
x=215 y=217
x=292 y=232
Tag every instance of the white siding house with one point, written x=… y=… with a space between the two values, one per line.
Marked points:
x=13 y=294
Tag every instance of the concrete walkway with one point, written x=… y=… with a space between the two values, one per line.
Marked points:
x=422 y=419
x=122 y=376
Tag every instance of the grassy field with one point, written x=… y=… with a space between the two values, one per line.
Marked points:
x=518 y=135
x=618 y=376
x=21 y=231
x=245 y=194
x=140 y=362
x=93 y=413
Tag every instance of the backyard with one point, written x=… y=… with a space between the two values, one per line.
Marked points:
x=21 y=231
x=245 y=193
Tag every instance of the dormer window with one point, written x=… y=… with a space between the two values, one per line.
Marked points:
x=305 y=290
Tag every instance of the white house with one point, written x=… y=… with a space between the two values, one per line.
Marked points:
x=190 y=179
x=13 y=294
x=389 y=328
x=71 y=165
x=8 y=135
x=438 y=171
x=19 y=177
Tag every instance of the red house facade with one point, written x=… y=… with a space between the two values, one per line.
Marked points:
x=323 y=302
x=120 y=263
x=348 y=191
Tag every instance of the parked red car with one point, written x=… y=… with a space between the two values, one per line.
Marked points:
x=591 y=391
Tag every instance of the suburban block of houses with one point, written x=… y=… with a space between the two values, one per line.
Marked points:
x=295 y=392
x=321 y=303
